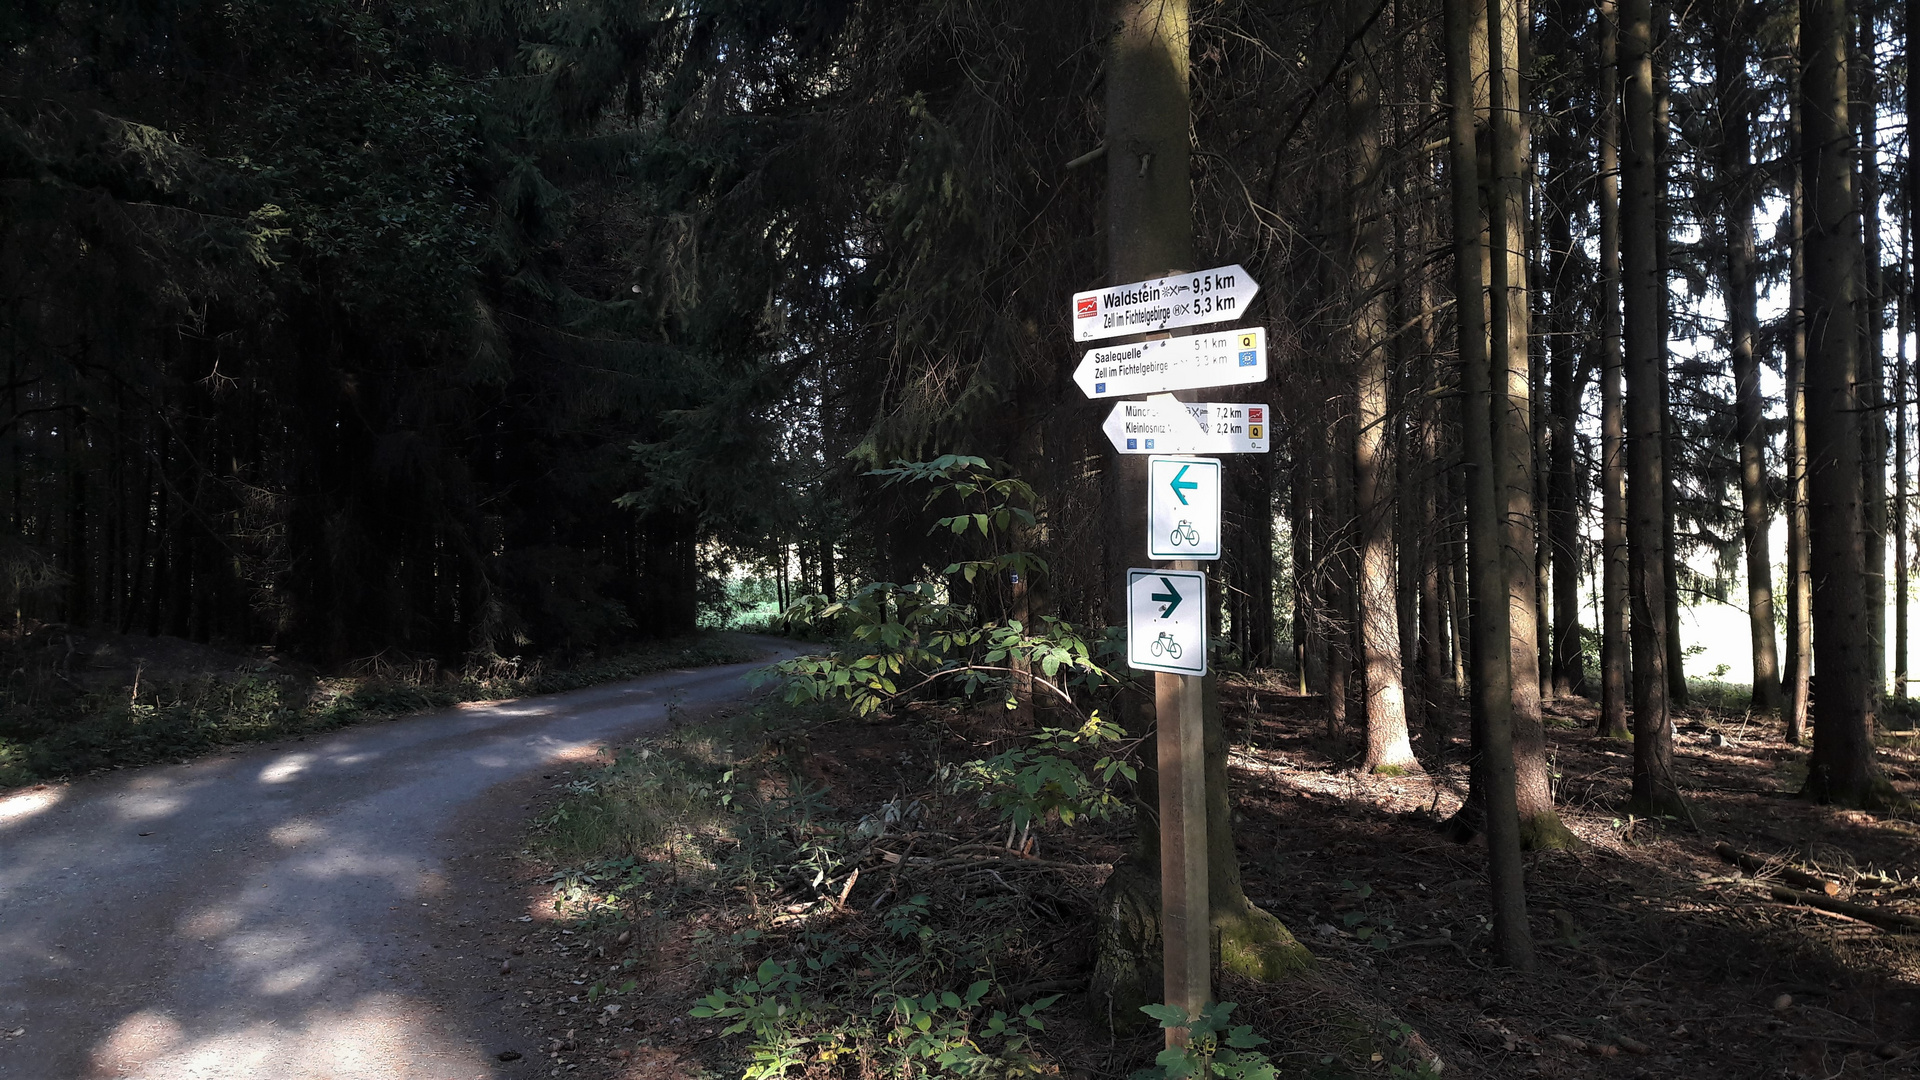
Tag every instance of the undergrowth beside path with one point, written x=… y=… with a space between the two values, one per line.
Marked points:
x=62 y=717
x=797 y=892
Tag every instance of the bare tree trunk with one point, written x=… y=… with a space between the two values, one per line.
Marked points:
x=1563 y=495
x=1873 y=373
x=1377 y=615
x=1540 y=826
x=1485 y=457
x=1732 y=42
x=1655 y=790
x=1663 y=258
x=1799 y=665
x=1614 y=649
x=1842 y=768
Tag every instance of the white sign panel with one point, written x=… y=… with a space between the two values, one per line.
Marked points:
x=1144 y=307
x=1167 y=621
x=1183 y=508
x=1182 y=363
x=1161 y=425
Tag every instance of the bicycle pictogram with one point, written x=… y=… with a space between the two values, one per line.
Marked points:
x=1184 y=533
x=1165 y=644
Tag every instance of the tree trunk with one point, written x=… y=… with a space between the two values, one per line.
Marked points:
x=1540 y=827
x=1842 y=768
x=1563 y=487
x=1873 y=398
x=1149 y=232
x=1655 y=790
x=1613 y=430
x=1663 y=259
x=1484 y=393
x=1732 y=41
x=1377 y=611
x=1799 y=674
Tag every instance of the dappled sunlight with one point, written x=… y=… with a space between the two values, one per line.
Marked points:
x=285 y=769
x=380 y=1035
x=29 y=804
x=150 y=807
x=295 y=833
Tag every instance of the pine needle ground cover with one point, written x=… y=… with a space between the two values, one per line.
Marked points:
x=77 y=703
x=798 y=892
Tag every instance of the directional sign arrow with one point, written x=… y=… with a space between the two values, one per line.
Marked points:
x=1182 y=363
x=1221 y=294
x=1181 y=487
x=1171 y=597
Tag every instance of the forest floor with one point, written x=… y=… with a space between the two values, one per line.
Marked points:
x=74 y=702
x=1657 y=957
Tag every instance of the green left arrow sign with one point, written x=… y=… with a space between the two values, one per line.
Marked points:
x=1180 y=487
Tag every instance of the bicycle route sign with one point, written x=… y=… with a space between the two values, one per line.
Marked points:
x=1182 y=363
x=1183 y=508
x=1145 y=307
x=1167 y=621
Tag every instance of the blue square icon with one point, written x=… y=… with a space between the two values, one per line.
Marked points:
x=1149 y=444
x=1249 y=358
x=1099 y=388
x=1133 y=444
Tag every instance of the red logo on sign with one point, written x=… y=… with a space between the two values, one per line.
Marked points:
x=1086 y=309
x=1257 y=416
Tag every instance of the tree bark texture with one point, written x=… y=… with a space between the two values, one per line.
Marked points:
x=1732 y=42
x=1614 y=647
x=1655 y=790
x=1485 y=455
x=1388 y=748
x=1842 y=768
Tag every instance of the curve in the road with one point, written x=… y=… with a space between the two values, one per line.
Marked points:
x=260 y=915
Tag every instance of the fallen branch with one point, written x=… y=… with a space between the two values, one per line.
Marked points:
x=1886 y=920
x=1754 y=864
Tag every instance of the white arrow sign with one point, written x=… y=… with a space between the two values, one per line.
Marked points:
x=1144 y=307
x=1182 y=363
x=1183 y=508
x=1167 y=621
x=1162 y=425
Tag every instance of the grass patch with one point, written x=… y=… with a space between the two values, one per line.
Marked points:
x=73 y=729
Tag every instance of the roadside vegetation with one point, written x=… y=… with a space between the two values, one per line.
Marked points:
x=803 y=890
x=75 y=703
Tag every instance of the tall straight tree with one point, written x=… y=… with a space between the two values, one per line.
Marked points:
x=1799 y=668
x=1509 y=338
x=1655 y=790
x=1734 y=90
x=1842 y=768
x=1485 y=457
x=1614 y=648
x=1388 y=748
x=1150 y=232
x=1865 y=71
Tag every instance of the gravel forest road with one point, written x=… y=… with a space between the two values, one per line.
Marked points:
x=291 y=911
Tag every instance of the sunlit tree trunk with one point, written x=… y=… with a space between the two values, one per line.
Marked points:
x=1799 y=664
x=1377 y=610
